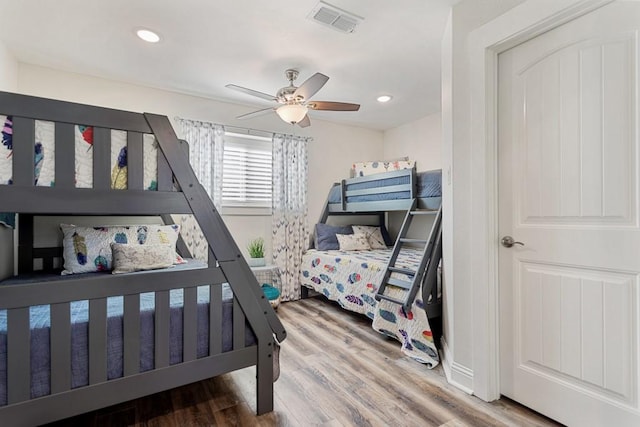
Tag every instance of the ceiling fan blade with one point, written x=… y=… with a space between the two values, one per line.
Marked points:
x=252 y=92
x=333 y=106
x=311 y=86
x=255 y=113
x=304 y=122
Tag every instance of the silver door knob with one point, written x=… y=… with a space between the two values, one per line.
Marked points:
x=507 y=242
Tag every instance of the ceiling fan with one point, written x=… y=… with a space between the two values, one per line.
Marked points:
x=295 y=101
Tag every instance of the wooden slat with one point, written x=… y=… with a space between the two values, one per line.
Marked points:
x=60 y=347
x=181 y=246
x=382 y=205
x=97 y=340
x=380 y=190
x=238 y=325
x=215 y=319
x=25 y=243
x=51 y=200
x=131 y=334
x=165 y=176
x=381 y=176
x=65 y=155
x=212 y=225
x=85 y=399
x=69 y=112
x=102 y=285
x=23 y=151
x=190 y=324
x=47 y=264
x=399 y=283
x=18 y=355
x=135 y=161
x=53 y=252
x=101 y=158
x=162 y=329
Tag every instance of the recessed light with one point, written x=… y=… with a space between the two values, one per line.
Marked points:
x=384 y=98
x=148 y=35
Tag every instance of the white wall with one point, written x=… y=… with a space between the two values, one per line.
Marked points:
x=466 y=16
x=421 y=140
x=8 y=82
x=331 y=153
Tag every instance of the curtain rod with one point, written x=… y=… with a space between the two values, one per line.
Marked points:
x=246 y=131
x=249 y=131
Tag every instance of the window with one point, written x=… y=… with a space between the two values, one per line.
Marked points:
x=247 y=172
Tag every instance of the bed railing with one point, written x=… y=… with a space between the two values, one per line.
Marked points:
x=346 y=185
x=178 y=192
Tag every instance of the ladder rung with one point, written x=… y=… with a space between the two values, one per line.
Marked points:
x=399 y=283
x=394 y=300
x=423 y=212
x=403 y=271
x=420 y=241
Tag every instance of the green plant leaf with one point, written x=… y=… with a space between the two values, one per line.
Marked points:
x=256 y=248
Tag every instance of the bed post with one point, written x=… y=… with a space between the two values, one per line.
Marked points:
x=25 y=243
x=226 y=251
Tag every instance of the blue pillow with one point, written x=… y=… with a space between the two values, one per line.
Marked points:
x=325 y=236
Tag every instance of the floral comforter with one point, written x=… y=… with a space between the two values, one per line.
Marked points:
x=352 y=279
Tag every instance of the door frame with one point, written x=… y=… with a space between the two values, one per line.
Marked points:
x=525 y=21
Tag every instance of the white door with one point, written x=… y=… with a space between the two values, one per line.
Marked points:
x=568 y=189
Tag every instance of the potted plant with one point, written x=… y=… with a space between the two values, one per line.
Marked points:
x=256 y=252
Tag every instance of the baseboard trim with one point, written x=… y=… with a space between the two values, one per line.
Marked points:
x=457 y=375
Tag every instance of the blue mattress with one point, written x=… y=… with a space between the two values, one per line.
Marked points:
x=40 y=327
x=429 y=184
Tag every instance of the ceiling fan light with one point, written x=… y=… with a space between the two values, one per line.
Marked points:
x=292 y=113
x=148 y=35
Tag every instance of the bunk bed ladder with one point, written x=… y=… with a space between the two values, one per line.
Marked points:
x=411 y=287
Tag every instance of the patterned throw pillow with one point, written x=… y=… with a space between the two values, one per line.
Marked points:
x=370 y=168
x=353 y=242
x=374 y=235
x=88 y=249
x=128 y=258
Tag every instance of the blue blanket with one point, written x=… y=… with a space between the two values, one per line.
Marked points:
x=8 y=220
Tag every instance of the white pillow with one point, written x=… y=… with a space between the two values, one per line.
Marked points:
x=353 y=242
x=374 y=235
x=128 y=258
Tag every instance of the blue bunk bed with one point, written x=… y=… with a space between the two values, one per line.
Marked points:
x=396 y=287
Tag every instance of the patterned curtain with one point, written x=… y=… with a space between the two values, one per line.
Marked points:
x=290 y=170
x=206 y=150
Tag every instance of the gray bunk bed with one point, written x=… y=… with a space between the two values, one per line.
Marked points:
x=223 y=320
x=417 y=193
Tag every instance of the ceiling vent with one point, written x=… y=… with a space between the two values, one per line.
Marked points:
x=336 y=18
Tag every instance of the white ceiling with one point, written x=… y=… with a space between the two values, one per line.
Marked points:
x=209 y=43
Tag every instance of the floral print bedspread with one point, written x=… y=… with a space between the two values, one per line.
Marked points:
x=352 y=279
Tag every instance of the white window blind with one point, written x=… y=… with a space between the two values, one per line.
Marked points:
x=247 y=172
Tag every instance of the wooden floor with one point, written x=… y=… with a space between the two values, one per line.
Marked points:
x=335 y=371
